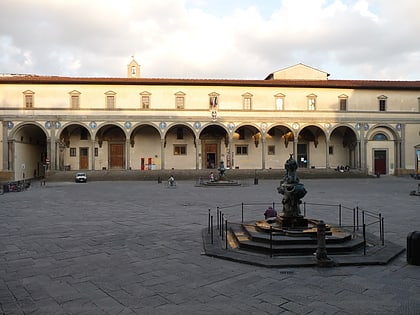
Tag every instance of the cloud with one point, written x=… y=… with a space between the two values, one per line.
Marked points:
x=351 y=39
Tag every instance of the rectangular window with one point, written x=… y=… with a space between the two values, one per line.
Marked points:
x=29 y=101
x=75 y=101
x=330 y=150
x=179 y=100
x=382 y=105
x=145 y=101
x=180 y=149
x=72 y=151
x=110 y=101
x=247 y=103
x=241 y=150
x=311 y=104
x=343 y=104
x=279 y=103
x=96 y=151
x=271 y=150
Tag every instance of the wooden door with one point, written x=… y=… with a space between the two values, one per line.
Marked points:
x=380 y=161
x=210 y=154
x=116 y=159
x=84 y=158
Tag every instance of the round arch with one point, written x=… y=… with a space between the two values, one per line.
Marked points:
x=112 y=150
x=343 y=146
x=28 y=150
x=383 y=155
x=280 y=144
x=312 y=147
x=145 y=152
x=74 y=140
x=214 y=146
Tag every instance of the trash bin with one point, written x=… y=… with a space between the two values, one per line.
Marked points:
x=413 y=248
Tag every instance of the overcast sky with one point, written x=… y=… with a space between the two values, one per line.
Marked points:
x=232 y=39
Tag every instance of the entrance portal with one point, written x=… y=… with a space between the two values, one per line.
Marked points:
x=116 y=159
x=84 y=158
x=380 y=161
x=302 y=155
x=211 y=155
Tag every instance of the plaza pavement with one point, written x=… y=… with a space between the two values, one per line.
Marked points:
x=135 y=247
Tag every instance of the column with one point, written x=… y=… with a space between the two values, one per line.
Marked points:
x=127 y=154
x=197 y=153
x=53 y=149
x=327 y=152
x=162 y=153
x=263 y=150
x=92 y=159
x=5 y=147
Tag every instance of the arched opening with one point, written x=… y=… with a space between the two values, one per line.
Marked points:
x=342 y=147
x=279 y=141
x=145 y=153
x=74 y=148
x=311 y=147
x=215 y=147
x=28 y=152
x=111 y=151
x=180 y=147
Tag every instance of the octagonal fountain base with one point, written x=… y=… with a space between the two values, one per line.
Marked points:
x=271 y=245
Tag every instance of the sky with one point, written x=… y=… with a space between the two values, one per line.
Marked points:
x=214 y=39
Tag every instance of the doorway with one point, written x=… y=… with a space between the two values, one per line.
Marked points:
x=210 y=153
x=380 y=162
x=116 y=159
x=302 y=155
x=83 y=158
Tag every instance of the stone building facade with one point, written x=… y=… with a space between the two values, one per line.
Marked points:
x=69 y=123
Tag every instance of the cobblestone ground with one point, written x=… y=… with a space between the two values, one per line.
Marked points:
x=135 y=248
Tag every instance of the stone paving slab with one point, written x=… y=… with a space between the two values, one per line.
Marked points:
x=136 y=248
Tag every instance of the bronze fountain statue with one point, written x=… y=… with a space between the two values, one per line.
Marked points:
x=292 y=192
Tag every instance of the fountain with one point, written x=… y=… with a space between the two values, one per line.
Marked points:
x=291 y=239
x=221 y=180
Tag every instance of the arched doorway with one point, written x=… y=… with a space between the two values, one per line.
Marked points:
x=74 y=148
x=111 y=140
x=28 y=152
x=311 y=147
x=279 y=141
x=214 y=147
x=180 y=147
x=145 y=151
x=342 y=147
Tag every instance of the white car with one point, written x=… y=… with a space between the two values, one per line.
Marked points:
x=81 y=178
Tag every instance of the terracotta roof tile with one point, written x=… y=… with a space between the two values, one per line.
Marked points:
x=343 y=84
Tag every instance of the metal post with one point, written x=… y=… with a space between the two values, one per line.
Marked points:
x=383 y=232
x=354 y=219
x=339 y=215
x=211 y=229
x=218 y=214
x=364 y=239
x=226 y=236
x=209 y=223
x=380 y=226
x=242 y=213
x=221 y=225
x=357 y=217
